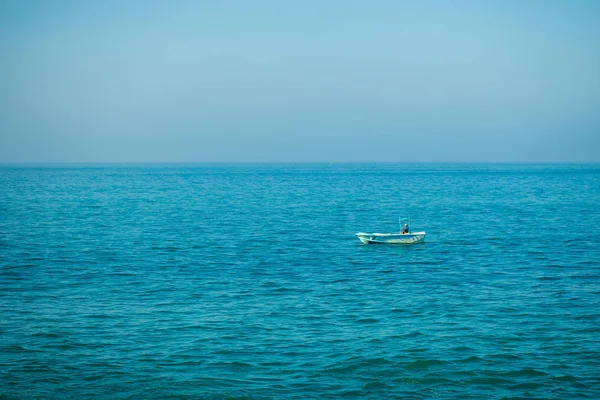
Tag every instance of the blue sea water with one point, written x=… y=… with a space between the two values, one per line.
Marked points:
x=246 y=281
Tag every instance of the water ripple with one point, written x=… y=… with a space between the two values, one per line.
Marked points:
x=245 y=282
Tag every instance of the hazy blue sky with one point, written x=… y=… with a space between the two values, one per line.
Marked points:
x=114 y=81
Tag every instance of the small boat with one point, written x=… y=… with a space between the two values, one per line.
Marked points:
x=406 y=236
x=391 y=238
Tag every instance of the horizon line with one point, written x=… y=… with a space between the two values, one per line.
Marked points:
x=34 y=163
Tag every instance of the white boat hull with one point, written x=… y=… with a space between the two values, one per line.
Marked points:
x=391 y=238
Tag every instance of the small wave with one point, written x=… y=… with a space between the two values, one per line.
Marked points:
x=436 y=381
x=69 y=346
x=46 y=335
x=24 y=265
x=511 y=357
x=489 y=381
x=462 y=348
x=342 y=280
x=418 y=350
x=274 y=364
x=374 y=385
x=167 y=249
x=123 y=274
x=472 y=359
x=20 y=349
x=35 y=369
x=587 y=317
x=407 y=335
x=99 y=316
x=352 y=393
x=235 y=365
x=528 y=386
x=368 y=321
x=424 y=364
x=349 y=367
x=376 y=361
x=104 y=375
x=527 y=373
x=548 y=278
x=565 y=378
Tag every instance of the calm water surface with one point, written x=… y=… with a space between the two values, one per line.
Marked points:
x=246 y=282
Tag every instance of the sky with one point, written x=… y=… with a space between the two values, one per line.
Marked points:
x=299 y=81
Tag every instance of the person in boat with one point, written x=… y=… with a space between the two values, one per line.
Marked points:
x=404 y=229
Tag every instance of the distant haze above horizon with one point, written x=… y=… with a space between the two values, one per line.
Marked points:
x=306 y=81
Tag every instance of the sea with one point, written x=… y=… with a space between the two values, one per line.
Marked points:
x=246 y=281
